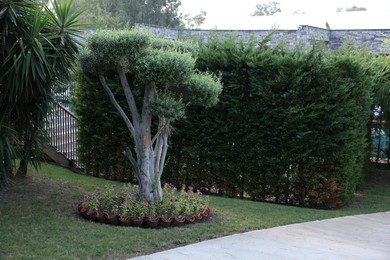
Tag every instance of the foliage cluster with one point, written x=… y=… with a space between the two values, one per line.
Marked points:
x=290 y=126
x=125 y=202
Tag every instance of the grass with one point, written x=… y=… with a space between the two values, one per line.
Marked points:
x=39 y=219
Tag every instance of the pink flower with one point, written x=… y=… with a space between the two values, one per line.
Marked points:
x=146 y=203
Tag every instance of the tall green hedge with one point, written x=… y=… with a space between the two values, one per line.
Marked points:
x=290 y=126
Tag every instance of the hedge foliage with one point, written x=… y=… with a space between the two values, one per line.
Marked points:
x=290 y=126
x=102 y=135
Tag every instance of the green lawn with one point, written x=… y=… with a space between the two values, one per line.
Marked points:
x=39 y=219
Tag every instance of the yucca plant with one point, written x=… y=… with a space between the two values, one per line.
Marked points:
x=39 y=43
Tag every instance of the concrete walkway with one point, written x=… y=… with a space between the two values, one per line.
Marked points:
x=353 y=237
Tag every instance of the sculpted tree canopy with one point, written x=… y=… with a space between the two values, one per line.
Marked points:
x=158 y=80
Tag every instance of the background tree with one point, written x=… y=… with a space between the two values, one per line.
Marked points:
x=38 y=47
x=351 y=9
x=267 y=9
x=160 y=74
x=125 y=13
x=195 y=21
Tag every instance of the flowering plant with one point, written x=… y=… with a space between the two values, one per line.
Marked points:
x=125 y=201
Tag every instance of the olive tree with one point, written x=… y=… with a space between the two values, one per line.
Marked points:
x=158 y=80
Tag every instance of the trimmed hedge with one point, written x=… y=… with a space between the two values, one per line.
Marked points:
x=103 y=135
x=290 y=126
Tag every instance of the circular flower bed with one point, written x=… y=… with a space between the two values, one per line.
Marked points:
x=123 y=206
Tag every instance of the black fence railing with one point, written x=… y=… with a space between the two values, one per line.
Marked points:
x=380 y=152
x=62 y=131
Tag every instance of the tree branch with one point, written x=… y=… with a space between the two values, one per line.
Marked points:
x=164 y=154
x=116 y=105
x=157 y=154
x=129 y=96
x=150 y=93
x=127 y=152
x=161 y=126
x=161 y=147
x=160 y=130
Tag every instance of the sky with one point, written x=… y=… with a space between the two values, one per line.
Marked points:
x=235 y=14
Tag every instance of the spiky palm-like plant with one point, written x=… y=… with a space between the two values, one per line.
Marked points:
x=38 y=46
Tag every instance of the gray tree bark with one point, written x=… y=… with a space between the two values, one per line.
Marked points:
x=150 y=151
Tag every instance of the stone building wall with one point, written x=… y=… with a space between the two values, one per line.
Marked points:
x=305 y=35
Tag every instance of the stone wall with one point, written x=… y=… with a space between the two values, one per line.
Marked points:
x=373 y=40
x=306 y=35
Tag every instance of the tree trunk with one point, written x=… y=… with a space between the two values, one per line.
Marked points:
x=22 y=170
x=145 y=175
x=150 y=153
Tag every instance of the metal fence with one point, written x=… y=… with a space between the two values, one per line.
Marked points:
x=380 y=146
x=62 y=129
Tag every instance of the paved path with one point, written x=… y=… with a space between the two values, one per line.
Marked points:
x=353 y=237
